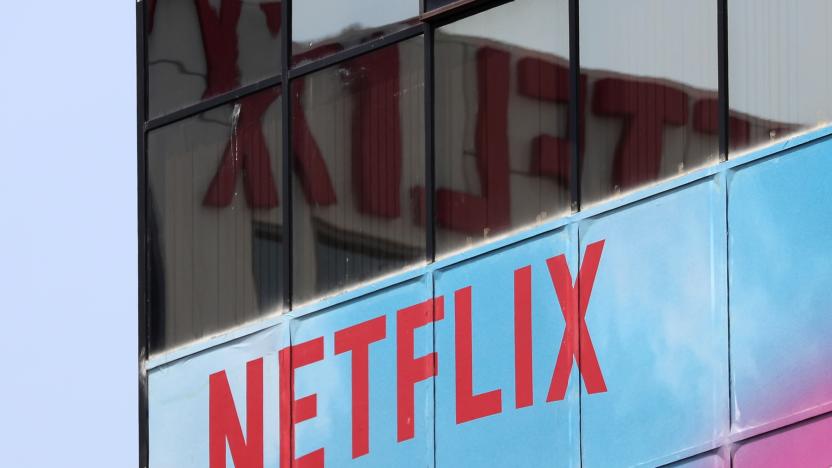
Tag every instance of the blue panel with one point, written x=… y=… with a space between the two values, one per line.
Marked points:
x=540 y=434
x=657 y=319
x=178 y=398
x=781 y=272
x=331 y=380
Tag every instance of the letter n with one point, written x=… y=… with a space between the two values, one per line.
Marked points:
x=224 y=423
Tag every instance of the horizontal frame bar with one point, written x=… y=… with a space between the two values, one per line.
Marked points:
x=353 y=52
x=211 y=103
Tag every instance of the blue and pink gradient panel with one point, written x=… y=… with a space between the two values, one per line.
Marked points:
x=780 y=213
x=805 y=445
x=657 y=316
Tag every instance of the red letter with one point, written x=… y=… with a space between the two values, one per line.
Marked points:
x=376 y=132
x=548 y=81
x=357 y=339
x=246 y=150
x=706 y=120
x=310 y=165
x=473 y=213
x=523 y=383
x=151 y=14
x=646 y=108
x=412 y=370
x=292 y=358
x=468 y=405
x=273 y=12
x=224 y=424
x=219 y=41
x=575 y=324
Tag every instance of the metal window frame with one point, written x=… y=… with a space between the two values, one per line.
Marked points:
x=141 y=185
x=722 y=84
x=425 y=26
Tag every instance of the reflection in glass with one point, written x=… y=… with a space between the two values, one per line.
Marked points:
x=502 y=92
x=201 y=48
x=358 y=146
x=215 y=220
x=649 y=98
x=323 y=27
x=780 y=80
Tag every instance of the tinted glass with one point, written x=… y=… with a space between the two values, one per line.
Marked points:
x=434 y=4
x=215 y=220
x=200 y=48
x=358 y=149
x=502 y=92
x=323 y=27
x=649 y=101
x=780 y=78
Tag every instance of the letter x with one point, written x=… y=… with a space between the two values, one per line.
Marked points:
x=576 y=341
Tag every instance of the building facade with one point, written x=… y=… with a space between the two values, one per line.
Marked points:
x=477 y=233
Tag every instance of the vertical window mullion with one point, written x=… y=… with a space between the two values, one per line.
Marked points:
x=141 y=197
x=430 y=185
x=286 y=128
x=722 y=44
x=574 y=108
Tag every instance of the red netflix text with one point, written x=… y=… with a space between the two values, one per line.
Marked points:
x=246 y=444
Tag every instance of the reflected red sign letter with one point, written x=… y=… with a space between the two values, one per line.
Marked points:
x=473 y=213
x=376 y=132
x=645 y=109
x=219 y=41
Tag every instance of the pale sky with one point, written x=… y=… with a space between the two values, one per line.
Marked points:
x=68 y=394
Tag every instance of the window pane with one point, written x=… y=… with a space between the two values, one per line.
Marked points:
x=780 y=80
x=215 y=220
x=323 y=27
x=434 y=4
x=358 y=152
x=502 y=92
x=649 y=70
x=201 y=48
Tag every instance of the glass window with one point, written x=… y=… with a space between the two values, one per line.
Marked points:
x=649 y=70
x=358 y=145
x=780 y=79
x=197 y=49
x=434 y=4
x=215 y=220
x=502 y=149
x=323 y=27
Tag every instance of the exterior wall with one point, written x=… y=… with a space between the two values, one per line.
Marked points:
x=686 y=323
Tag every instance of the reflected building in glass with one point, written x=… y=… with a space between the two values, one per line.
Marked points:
x=294 y=152
x=359 y=169
x=650 y=93
x=500 y=109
